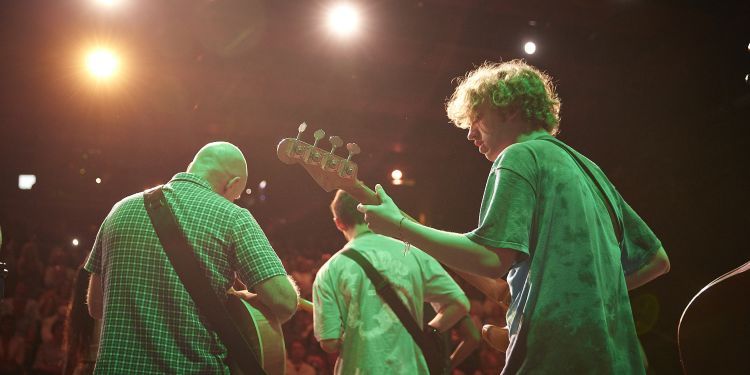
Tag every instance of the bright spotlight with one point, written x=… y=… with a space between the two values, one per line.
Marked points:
x=262 y=185
x=529 y=48
x=343 y=20
x=108 y=3
x=397 y=174
x=26 y=181
x=102 y=63
x=75 y=242
x=98 y=180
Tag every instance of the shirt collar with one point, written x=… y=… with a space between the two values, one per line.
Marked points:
x=184 y=176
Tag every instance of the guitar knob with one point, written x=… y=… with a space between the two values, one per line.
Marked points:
x=336 y=142
x=301 y=129
x=319 y=134
x=353 y=150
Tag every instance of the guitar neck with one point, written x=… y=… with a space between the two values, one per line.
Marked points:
x=362 y=193
x=490 y=287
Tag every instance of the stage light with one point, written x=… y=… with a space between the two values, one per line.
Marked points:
x=108 y=3
x=262 y=185
x=102 y=63
x=26 y=181
x=343 y=20
x=249 y=191
x=397 y=174
x=98 y=180
x=529 y=48
x=75 y=242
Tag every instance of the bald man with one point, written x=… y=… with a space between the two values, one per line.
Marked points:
x=150 y=322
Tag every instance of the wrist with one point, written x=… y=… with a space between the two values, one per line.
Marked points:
x=401 y=234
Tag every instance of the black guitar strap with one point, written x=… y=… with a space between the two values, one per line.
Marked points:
x=187 y=267
x=385 y=291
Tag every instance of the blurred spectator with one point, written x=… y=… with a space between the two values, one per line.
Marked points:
x=303 y=275
x=81 y=335
x=55 y=298
x=29 y=268
x=318 y=362
x=490 y=362
x=12 y=347
x=24 y=309
x=295 y=363
x=58 y=268
x=49 y=355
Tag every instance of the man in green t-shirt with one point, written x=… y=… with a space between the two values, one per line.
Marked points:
x=550 y=222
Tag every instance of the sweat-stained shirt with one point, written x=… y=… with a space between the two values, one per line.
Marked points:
x=570 y=311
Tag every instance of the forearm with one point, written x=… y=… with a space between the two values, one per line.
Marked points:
x=657 y=266
x=494 y=289
x=94 y=298
x=450 y=315
x=470 y=339
x=453 y=249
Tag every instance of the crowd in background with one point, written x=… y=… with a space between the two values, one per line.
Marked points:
x=42 y=309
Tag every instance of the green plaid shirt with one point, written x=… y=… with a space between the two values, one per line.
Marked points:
x=151 y=324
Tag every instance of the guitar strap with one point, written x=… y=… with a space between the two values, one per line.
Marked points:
x=616 y=224
x=385 y=291
x=187 y=267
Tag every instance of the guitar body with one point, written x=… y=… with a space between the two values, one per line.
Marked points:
x=262 y=332
x=714 y=331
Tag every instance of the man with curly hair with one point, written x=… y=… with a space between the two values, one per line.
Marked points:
x=550 y=222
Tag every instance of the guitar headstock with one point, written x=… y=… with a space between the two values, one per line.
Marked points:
x=329 y=170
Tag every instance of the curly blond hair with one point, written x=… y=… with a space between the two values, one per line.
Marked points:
x=512 y=85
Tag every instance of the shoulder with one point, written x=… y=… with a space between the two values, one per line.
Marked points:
x=518 y=154
x=125 y=206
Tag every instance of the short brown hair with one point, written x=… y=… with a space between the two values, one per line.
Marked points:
x=344 y=208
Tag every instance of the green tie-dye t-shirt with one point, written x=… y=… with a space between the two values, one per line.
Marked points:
x=570 y=311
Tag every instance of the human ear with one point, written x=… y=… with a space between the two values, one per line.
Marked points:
x=232 y=190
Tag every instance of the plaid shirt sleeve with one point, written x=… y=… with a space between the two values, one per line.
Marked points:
x=255 y=258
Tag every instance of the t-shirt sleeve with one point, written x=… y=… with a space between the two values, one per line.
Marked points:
x=639 y=243
x=508 y=204
x=255 y=258
x=439 y=285
x=327 y=321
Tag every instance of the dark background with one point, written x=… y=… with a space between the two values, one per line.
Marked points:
x=653 y=91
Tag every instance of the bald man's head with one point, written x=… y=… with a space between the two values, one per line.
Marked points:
x=224 y=166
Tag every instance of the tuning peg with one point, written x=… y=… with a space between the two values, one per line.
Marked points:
x=319 y=134
x=301 y=129
x=336 y=142
x=353 y=150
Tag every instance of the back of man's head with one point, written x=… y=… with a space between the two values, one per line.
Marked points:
x=344 y=209
x=223 y=165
